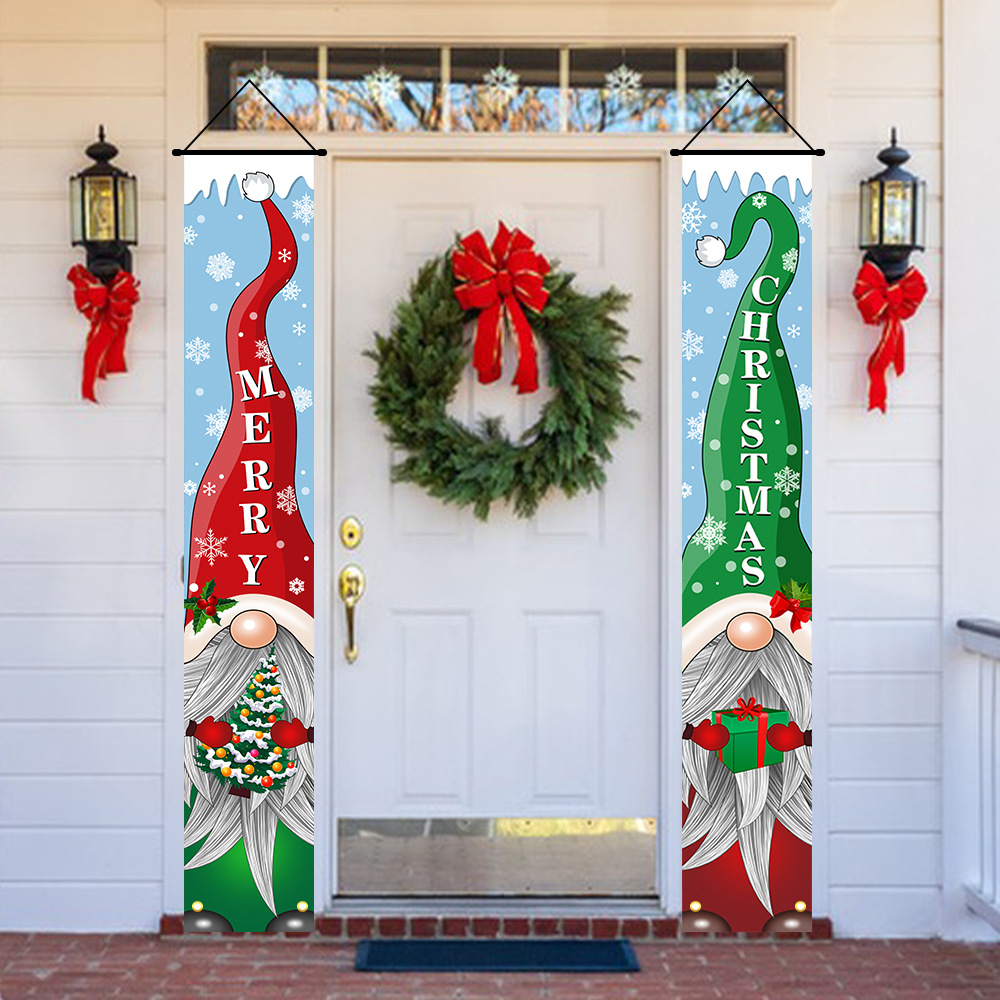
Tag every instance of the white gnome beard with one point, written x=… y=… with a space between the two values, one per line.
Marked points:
x=213 y=683
x=728 y=807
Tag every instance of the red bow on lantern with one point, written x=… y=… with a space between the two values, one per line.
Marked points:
x=498 y=279
x=880 y=302
x=780 y=604
x=109 y=309
x=746 y=709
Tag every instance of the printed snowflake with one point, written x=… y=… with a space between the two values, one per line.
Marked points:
x=303 y=209
x=190 y=488
x=691 y=344
x=624 y=84
x=787 y=480
x=759 y=200
x=696 y=427
x=197 y=350
x=215 y=423
x=208 y=489
x=805 y=394
x=302 y=398
x=692 y=217
x=711 y=534
x=287 y=501
x=291 y=291
x=267 y=80
x=726 y=83
x=296 y=586
x=685 y=287
x=789 y=259
x=793 y=331
x=211 y=548
x=686 y=490
x=189 y=235
x=220 y=266
x=284 y=256
x=298 y=329
x=728 y=278
x=501 y=84
x=264 y=352
x=806 y=215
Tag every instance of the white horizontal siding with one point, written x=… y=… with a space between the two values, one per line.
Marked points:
x=82 y=494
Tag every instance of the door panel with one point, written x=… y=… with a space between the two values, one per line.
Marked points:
x=507 y=668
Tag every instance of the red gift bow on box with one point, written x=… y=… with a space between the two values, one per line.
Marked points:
x=109 y=309
x=745 y=709
x=780 y=604
x=498 y=279
x=880 y=302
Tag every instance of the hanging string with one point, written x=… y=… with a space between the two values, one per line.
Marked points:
x=740 y=152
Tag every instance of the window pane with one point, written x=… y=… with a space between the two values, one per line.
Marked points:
x=618 y=90
x=504 y=90
x=713 y=74
x=383 y=90
x=287 y=77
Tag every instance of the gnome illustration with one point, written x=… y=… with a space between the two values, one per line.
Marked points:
x=747 y=635
x=248 y=637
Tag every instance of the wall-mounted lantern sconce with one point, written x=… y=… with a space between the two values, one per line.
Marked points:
x=104 y=208
x=887 y=289
x=893 y=213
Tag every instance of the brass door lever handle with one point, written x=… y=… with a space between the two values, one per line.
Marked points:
x=352 y=586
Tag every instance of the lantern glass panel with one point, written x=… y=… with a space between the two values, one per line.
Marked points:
x=126 y=209
x=99 y=209
x=920 y=237
x=870 y=191
x=76 y=210
x=898 y=218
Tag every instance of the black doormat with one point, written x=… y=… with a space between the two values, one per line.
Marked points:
x=514 y=955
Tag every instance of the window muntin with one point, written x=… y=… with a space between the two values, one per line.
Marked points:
x=644 y=89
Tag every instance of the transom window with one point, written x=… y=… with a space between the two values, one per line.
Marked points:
x=342 y=88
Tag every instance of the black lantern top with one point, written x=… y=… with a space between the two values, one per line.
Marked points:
x=893 y=213
x=104 y=204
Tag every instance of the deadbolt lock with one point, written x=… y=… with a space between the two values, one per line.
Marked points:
x=351 y=532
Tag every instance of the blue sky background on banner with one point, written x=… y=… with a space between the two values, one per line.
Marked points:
x=238 y=230
x=707 y=312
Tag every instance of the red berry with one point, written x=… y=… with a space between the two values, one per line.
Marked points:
x=212 y=601
x=202 y=603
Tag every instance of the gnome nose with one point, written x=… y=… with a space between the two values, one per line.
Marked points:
x=504 y=283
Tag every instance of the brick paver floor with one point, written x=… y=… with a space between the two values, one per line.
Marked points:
x=148 y=967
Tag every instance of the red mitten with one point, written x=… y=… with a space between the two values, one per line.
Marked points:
x=289 y=734
x=785 y=738
x=215 y=734
x=710 y=737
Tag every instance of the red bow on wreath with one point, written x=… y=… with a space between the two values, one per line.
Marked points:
x=780 y=604
x=880 y=302
x=109 y=309
x=498 y=279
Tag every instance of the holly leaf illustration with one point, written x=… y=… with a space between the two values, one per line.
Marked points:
x=226 y=604
x=199 y=620
x=799 y=592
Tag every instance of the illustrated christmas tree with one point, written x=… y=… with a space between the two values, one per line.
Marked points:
x=251 y=760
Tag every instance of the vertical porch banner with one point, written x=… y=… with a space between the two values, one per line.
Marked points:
x=248 y=616
x=747 y=563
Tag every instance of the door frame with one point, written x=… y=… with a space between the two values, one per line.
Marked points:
x=668 y=854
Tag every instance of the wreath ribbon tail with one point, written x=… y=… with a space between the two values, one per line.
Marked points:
x=487 y=352
x=526 y=376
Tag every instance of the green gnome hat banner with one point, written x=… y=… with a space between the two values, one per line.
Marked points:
x=747 y=562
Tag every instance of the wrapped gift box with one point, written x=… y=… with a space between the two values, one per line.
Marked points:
x=748 y=748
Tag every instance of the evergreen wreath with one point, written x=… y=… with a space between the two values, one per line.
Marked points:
x=420 y=365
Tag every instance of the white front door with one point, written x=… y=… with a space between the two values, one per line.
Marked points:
x=507 y=668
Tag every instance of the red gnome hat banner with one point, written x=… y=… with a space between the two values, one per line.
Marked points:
x=248 y=609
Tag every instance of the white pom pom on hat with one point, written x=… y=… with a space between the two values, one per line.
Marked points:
x=258 y=186
x=710 y=250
